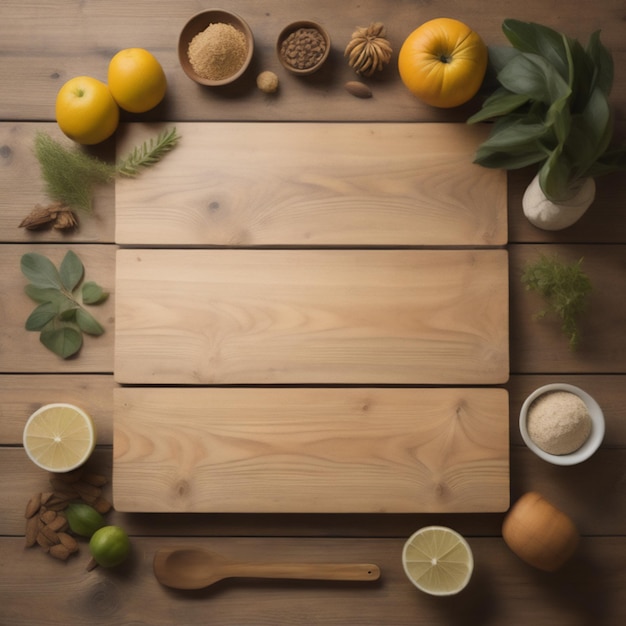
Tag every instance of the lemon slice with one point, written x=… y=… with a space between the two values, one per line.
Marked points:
x=59 y=437
x=438 y=560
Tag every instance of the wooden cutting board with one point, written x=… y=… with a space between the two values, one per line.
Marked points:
x=260 y=450
x=311 y=317
x=323 y=184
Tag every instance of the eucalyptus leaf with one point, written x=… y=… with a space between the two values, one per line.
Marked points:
x=41 y=315
x=92 y=293
x=71 y=270
x=40 y=271
x=39 y=294
x=65 y=341
x=87 y=323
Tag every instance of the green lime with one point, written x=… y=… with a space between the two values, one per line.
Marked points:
x=83 y=519
x=109 y=546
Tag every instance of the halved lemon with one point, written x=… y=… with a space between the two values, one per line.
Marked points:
x=438 y=560
x=59 y=437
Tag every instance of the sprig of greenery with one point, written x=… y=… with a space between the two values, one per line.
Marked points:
x=565 y=288
x=60 y=317
x=70 y=175
x=148 y=153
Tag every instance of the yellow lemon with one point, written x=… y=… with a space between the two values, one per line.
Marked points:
x=438 y=560
x=59 y=437
x=86 y=111
x=136 y=80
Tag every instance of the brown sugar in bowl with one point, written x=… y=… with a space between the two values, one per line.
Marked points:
x=200 y=22
x=294 y=27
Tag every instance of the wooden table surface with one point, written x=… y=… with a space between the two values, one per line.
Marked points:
x=43 y=44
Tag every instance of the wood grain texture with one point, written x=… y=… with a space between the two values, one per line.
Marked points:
x=260 y=184
x=314 y=450
x=503 y=589
x=311 y=316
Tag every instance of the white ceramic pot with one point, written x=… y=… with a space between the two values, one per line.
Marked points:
x=548 y=215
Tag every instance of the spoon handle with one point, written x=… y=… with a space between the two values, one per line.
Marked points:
x=306 y=571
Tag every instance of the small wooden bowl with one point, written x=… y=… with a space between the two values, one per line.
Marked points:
x=294 y=26
x=200 y=22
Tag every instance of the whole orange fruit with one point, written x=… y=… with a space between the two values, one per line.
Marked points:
x=136 y=80
x=443 y=62
x=86 y=111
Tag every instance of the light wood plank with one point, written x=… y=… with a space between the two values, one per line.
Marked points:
x=311 y=316
x=315 y=450
x=259 y=184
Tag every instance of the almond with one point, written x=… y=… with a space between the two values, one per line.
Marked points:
x=33 y=506
x=32 y=528
x=50 y=535
x=97 y=480
x=58 y=524
x=358 y=89
x=48 y=516
x=59 y=552
x=68 y=541
x=102 y=505
x=43 y=541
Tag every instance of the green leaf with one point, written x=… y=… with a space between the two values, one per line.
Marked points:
x=555 y=177
x=41 y=315
x=500 y=102
x=603 y=62
x=613 y=160
x=87 y=323
x=538 y=40
x=71 y=271
x=512 y=144
x=531 y=75
x=148 y=154
x=92 y=293
x=64 y=341
x=499 y=56
x=40 y=271
x=39 y=294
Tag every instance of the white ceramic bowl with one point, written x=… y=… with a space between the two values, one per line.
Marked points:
x=591 y=444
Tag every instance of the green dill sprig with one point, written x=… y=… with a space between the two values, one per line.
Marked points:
x=148 y=153
x=565 y=289
x=69 y=174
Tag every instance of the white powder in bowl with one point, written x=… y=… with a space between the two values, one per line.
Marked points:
x=558 y=422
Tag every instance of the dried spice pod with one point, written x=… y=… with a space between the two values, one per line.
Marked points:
x=369 y=50
x=358 y=89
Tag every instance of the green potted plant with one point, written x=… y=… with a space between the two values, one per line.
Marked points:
x=551 y=109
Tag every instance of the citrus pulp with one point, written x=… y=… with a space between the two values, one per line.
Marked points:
x=438 y=560
x=59 y=437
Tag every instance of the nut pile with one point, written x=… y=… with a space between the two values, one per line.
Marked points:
x=304 y=48
x=46 y=525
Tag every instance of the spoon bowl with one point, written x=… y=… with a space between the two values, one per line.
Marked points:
x=196 y=568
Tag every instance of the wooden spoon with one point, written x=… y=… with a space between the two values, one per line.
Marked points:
x=195 y=568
